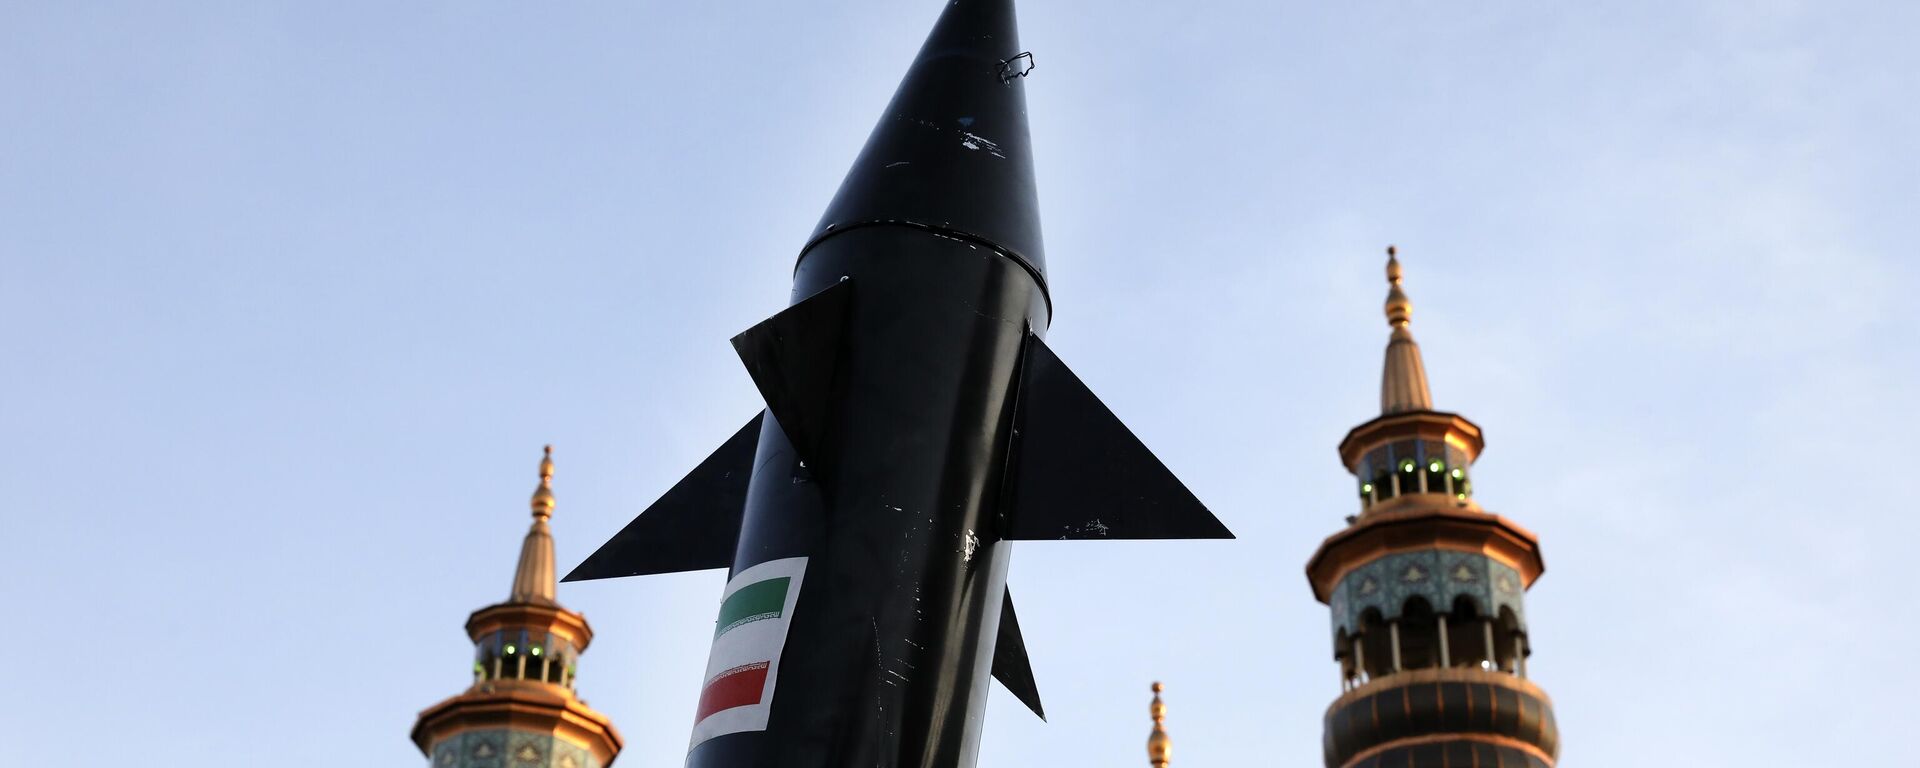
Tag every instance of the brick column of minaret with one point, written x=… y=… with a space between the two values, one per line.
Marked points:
x=1426 y=588
x=521 y=710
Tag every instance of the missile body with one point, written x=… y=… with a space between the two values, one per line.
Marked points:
x=915 y=426
x=892 y=639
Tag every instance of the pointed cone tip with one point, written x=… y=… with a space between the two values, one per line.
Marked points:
x=952 y=153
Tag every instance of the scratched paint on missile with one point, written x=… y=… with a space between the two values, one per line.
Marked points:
x=743 y=666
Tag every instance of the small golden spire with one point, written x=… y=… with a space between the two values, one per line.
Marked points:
x=543 y=496
x=1399 y=307
x=1403 y=382
x=1159 y=745
x=533 y=578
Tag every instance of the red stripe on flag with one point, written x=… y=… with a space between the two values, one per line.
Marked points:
x=735 y=687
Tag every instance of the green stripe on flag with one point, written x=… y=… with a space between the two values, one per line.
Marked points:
x=753 y=602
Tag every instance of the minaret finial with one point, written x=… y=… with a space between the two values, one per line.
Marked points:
x=543 y=496
x=1403 y=383
x=533 y=578
x=1399 y=307
x=1159 y=744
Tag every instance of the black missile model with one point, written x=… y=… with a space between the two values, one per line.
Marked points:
x=915 y=426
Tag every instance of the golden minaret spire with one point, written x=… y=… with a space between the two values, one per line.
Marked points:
x=1159 y=744
x=533 y=579
x=1403 y=382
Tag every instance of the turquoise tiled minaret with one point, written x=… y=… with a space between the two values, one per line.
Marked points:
x=1426 y=591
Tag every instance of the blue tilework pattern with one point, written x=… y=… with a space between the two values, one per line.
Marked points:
x=1438 y=575
x=509 y=749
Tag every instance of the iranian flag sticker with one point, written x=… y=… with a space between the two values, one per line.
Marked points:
x=744 y=665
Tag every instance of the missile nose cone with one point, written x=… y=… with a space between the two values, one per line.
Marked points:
x=952 y=153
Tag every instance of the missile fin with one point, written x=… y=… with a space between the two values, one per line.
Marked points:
x=1010 y=664
x=1078 y=473
x=692 y=527
x=794 y=359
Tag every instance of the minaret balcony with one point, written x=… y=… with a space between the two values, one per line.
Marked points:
x=1415 y=527
x=1433 y=717
x=527 y=641
x=532 y=656
x=522 y=708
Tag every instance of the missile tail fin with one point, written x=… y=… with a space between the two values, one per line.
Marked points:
x=692 y=527
x=794 y=359
x=1078 y=473
x=1010 y=664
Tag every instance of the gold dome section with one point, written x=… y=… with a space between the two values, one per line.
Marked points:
x=543 y=496
x=1399 y=307
x=1159 y=744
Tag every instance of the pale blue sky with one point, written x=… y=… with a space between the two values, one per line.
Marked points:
x=293 y=293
